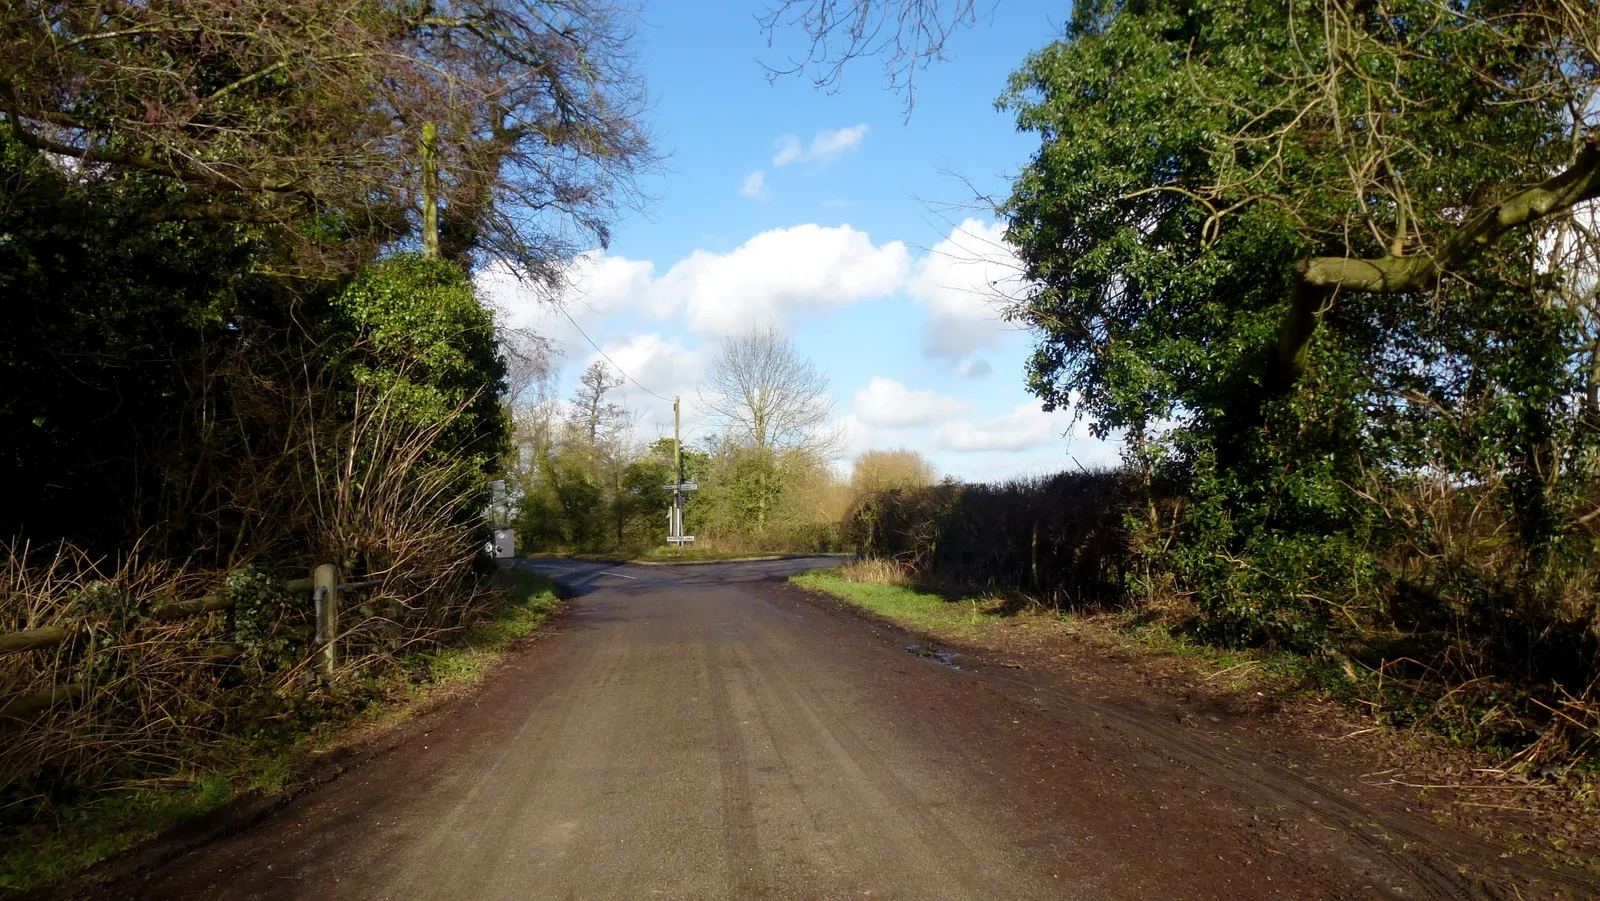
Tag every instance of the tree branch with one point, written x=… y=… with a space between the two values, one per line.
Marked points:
x=1320 y=279
x=212 y=212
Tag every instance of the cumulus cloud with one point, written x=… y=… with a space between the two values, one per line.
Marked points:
x=889 y=404
x=667 y=368
x=826 y=146
x=1024 y=428
x=596 y=284
x=755 y=185
x=963 y=282
x=805 y=266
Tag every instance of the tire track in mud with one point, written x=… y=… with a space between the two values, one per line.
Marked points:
x=1259 y=783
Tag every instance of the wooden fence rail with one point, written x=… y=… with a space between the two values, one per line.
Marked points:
x=323 y=584
x=29 y=639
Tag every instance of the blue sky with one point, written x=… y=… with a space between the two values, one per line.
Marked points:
x=837 y=218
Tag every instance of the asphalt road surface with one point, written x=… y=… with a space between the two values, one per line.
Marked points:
x=709 y=732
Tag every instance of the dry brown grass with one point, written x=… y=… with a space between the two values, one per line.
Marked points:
x=877 y=571
x=152 y=696
x=148 y=692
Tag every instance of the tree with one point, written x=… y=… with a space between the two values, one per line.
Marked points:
x=1355 y=78
x=1201 y=165
x=883 y=470
x=763 y=392
x=907 y=34
x=1395 y=145
x=596 y=418
x=310 y=114
x=194 y=195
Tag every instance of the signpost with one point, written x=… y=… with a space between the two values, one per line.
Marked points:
x=675 y=534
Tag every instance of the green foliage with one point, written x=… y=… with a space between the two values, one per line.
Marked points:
x=111 y=335
x=103 y=600
x=748 y=486
x=1060 y=540
x=261 y=610
x=1189 y=158
x=410 y=330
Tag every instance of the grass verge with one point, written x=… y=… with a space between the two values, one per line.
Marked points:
x=922 y=609
x=1555 y=812
x=1011 y=623
x=83 y=831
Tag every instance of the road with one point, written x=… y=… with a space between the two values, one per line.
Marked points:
x=710 y=732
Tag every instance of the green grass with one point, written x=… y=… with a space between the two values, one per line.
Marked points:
x=958 y=616
x=531 y=600
x=82 y=834
x=921 y=609
x=48 y=852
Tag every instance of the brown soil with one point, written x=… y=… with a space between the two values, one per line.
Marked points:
x=1517 y=836
x=713 y=732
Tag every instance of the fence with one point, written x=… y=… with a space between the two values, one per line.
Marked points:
x=323 y=585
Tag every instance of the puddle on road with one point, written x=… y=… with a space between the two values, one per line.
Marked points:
x=934 y=654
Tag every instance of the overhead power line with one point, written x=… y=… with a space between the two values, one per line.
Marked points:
x=608 y=357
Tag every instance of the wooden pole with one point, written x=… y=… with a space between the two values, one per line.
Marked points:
x=675 y=519
x=27 y=705
x=44 y=637
x=206 y=604
x=326 y=578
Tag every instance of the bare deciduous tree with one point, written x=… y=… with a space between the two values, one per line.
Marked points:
x=883 y=470
x=592 y=414
x=529 y=357
x=763 y=392
x=288 y=111
x=906 y=34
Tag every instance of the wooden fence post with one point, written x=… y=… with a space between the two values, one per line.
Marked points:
x=325 y=578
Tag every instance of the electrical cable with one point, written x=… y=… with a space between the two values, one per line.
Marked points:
x=607 y=357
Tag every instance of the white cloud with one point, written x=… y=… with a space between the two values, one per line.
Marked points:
x=715 y=294
x=789 y=150
x=1024 y=428
x=804 y=266
x=604 y=283
x=755 y=185
x=826 y=146
x=964 y=282
x=860 y=437
x=667 y=368
x=597 y=284
x=833 y=143
x=889 y=404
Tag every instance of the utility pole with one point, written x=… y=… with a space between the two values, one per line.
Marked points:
x=675 y=526
x=675 y=536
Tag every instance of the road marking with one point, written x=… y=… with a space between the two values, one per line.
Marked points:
x=618 y=575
